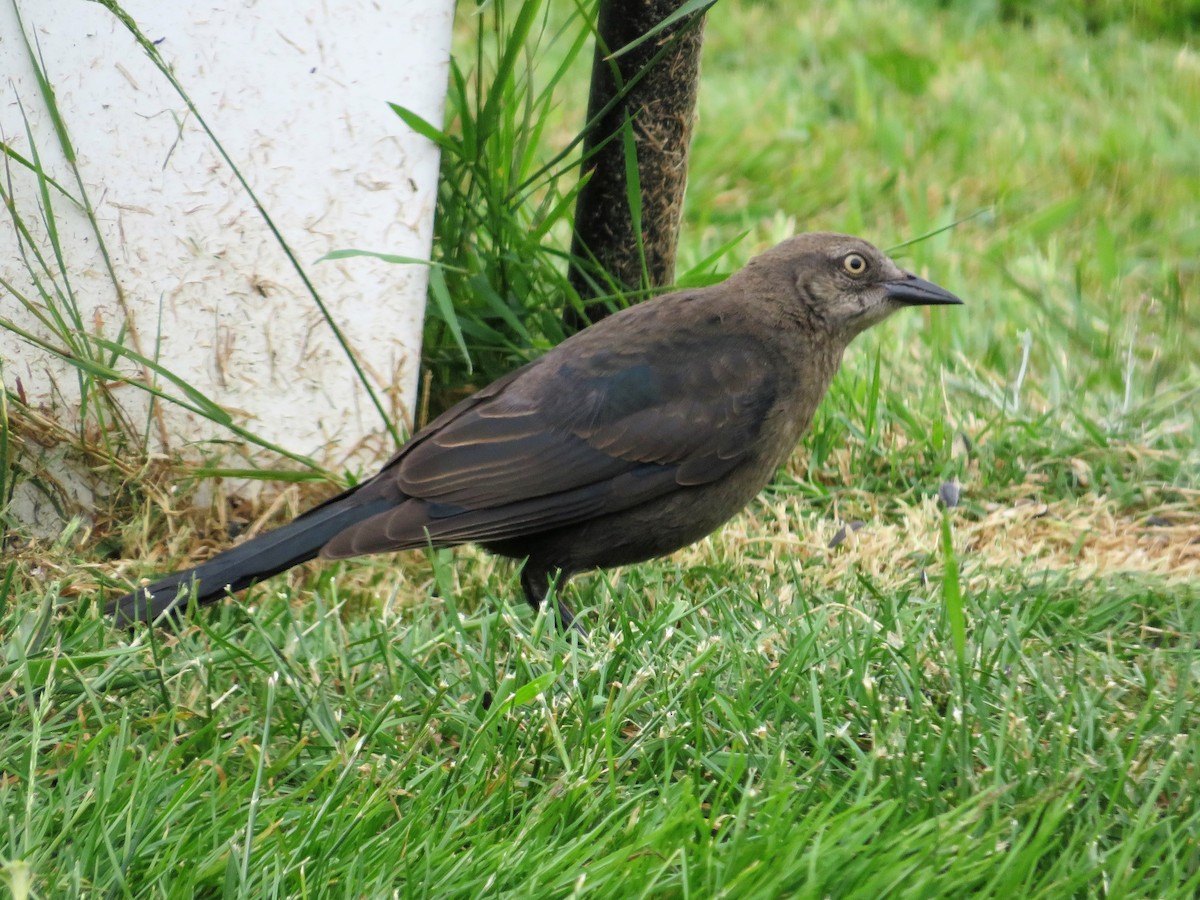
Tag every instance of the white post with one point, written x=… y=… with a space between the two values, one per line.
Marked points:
x=297 y=93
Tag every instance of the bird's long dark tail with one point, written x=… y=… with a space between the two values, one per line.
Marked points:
x=242 y=566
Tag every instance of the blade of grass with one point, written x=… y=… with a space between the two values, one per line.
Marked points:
x=633 y=194
x=952 y=595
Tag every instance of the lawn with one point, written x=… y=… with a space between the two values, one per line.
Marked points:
x=857 y=688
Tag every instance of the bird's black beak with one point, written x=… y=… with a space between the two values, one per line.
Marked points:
x=918 y=292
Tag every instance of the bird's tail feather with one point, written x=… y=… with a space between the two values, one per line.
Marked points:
x=242 y=566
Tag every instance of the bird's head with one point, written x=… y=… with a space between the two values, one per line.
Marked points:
x=844 y=284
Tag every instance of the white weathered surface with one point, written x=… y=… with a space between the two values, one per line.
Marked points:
x=297 y=93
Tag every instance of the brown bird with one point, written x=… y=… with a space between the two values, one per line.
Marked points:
x=637 y=436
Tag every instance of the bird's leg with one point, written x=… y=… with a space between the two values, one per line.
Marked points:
x=566 y=618
x=537 y=581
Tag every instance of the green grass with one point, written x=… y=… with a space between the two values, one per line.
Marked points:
x=997 y=699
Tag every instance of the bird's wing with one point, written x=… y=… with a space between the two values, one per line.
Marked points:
x=692 y=403
x=574 y=435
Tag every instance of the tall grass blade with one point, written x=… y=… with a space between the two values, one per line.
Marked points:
x=952 y=593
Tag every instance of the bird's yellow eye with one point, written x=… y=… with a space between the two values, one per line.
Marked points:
x=855 y=264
